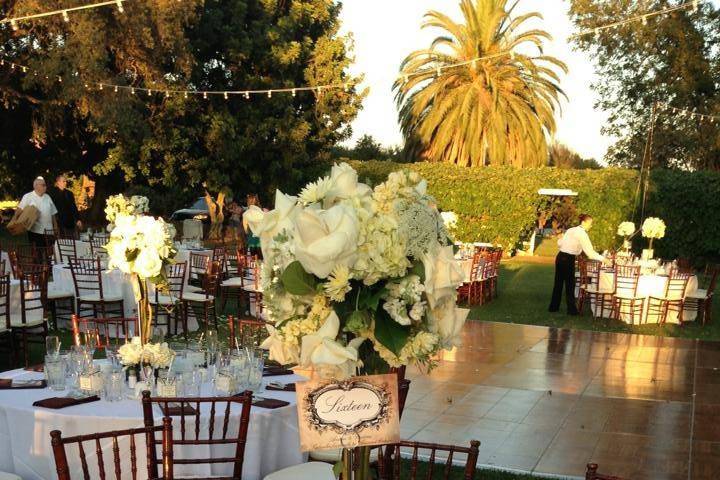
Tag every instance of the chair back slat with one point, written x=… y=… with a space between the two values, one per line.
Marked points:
x=124 y=330
x=33 y=292
x=87 y=276
x=220 y=435
x=627 y=278
x=60 y=445
x=385 y=460
x=199 y=266
x=5 y=300
x=677 y=284
x=66 y=249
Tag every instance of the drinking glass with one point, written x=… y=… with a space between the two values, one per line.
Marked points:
x=91 y=341
x=115 y=386
x=158 y=335
x=256 y=365
x=78 y=362
x=52 y=345
x=55 y=372
x=191 y=383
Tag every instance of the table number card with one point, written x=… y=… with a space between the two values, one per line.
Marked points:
x=360 y=411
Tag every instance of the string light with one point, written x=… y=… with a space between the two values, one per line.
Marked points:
x=116 y=88
x=269 y=93
x=294 y=92
x=225 y=95
x=132 y=91
x=687 y=113
x=205 y=95
x=247 y=95
x=694 y=5
x=64 y=12
x=14 y=26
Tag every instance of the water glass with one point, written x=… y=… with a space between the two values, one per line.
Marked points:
x=191 y=383
x=115 y=386
x=256 y=364
x=52 y=345
x=55 y=372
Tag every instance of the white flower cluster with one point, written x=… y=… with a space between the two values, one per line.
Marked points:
x=159 y=355
x=653 y=227
x=117 y=205
x=625 y=229
x=342 y=257
x=141 y=245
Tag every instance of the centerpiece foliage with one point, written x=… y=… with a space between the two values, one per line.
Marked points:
x=358 y=278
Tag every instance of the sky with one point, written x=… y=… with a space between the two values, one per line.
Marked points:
x=385 y=31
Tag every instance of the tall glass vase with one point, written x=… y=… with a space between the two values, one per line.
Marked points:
x=144 y=310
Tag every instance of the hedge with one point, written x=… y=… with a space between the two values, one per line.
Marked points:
x=499 y=204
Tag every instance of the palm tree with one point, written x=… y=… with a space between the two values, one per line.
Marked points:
x=497 y=106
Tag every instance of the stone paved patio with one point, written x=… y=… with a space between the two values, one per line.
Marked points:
x=549 y=401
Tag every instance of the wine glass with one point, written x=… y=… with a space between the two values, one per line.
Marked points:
x=91 y=341
x=52 y=346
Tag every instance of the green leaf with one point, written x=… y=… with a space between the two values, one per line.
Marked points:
x=370 y=299
x=297 y=281
x=357 y=321
x=390 y=333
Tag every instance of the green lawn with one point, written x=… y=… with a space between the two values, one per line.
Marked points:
x=524 y=296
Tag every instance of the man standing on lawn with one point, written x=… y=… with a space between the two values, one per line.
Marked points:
x=47 y=215
x=574 y=242
x=64 y=200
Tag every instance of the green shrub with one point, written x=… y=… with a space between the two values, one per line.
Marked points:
x=499 y=204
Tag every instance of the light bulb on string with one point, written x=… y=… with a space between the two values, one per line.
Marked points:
x=294 y=93
x=695 y=5
x=149 y=92
x=247 y=95
x=167 y=93
x=59 y=79
x=100 y=86
x=116 y=88
x=132 y=91
x=14 y=26
x=644 y=21
x=185 y=94
x=24 y=69
x=269 y=93
x=65 y=15
x=225 y=95
x=205 y=95
x=120 y=6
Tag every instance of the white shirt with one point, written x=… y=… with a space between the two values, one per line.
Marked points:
x=575 y=241
x=45 y=206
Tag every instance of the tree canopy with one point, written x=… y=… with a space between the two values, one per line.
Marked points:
x=672 y=58
x=173 y=142
x=497 y=110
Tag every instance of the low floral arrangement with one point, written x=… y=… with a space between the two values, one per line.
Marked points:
x=355 y=277
x=133 y=353
x=117 y=205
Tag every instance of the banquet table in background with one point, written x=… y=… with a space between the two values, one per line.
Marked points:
x=272 y=443
x=648 y=285
x=115 y=284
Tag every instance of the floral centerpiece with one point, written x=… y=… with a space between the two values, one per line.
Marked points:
x=142 y=246
x=652 y=228
x=157 y=355
x=357 y=279
x=117 y=205
x=625 y=230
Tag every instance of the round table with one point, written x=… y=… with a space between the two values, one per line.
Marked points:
x=272 y=443
x=649 y=286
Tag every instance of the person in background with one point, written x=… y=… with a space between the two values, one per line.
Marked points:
x=574 y=242
x=47 y=216
x=68 y=216
x=252 y=242
x=235 y=223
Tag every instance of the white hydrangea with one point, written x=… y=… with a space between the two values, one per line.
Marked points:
x=625 y=229
x=653 y=227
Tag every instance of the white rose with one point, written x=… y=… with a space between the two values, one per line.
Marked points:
x=345 y=184
x=447 y=320
x=321 y=350
x=443 y=274
x=326 y=238
x=626 y=229
x=280 y=350
x=266 y=225
x=148 y=264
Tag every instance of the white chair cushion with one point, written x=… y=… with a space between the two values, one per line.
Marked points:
x=699 y=294
x=96 y=298
x=197 y=297
x=304 y=471
x=9 y=476
x=164 y=300
x=33 y=320
x=192 y=288
x=233 y=282
x=56 y=294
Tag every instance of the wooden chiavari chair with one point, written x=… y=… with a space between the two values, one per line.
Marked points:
x=92 y=301
x=389 y=461
x=625 y=300
x=246 y=331
x=21 y=255
x=107 y=331
x=208 y=413
x=591 y=473
x=97 y=248
x=702 y=299
x=197 y=269
x=589 y=279
x=470 y=290
x=114 y=438
x=232 y=286
x=167 y=304
x=593 y=292
x=205 y=300
x=673 y=300
x=66 y=249
x=252 y=286
x=30 y=326
x=219 y=255
x=6 y=337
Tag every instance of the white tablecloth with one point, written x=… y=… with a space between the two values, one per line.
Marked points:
x=272 y=443
x=466 y=265
x=82 y=249
x=648 y=285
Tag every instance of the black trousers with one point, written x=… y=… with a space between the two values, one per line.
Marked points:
x=564 y=277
